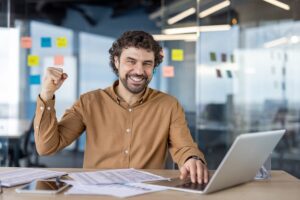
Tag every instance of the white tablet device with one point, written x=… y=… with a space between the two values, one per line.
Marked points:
x=43 y=187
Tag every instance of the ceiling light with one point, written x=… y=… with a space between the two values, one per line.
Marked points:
x=277 y=42
x=278 y=4
x=186 y=37
x=224 y=27
x=194 y=29
x=181 y=16
x=214 y=9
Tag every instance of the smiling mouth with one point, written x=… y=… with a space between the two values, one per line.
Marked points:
x=137 y=79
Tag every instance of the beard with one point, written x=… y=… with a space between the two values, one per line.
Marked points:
x=135 y=83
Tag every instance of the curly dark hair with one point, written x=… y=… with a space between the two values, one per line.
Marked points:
x=137 y=39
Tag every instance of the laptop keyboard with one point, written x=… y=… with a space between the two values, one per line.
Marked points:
x=192 y=186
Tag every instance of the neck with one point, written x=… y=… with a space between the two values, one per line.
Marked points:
x=129 y=97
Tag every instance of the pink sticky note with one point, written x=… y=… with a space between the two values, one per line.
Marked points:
x=58 y=60
x=168 y=71
x=26 y=42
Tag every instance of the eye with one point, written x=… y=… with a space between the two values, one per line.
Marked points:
x=148 y=64
x=131 y=61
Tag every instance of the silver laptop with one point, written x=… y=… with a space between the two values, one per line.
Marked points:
x=240 y=165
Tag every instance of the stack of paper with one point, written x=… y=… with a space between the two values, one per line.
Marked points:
x=117 y=190
x=115 y=176
x=119 y=183
x=25 y=175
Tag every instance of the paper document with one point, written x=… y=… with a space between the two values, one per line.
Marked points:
x=114 y=176
x=25 y=175
x=117 y=190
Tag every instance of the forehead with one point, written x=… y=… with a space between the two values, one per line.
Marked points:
x=137 y=53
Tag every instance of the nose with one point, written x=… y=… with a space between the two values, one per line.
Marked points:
x=139 y=69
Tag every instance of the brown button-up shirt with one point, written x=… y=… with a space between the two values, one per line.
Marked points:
x=118 y=135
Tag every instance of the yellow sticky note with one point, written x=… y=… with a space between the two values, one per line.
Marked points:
x=177 y=55
x=168 y=71
x=61 y=42
x=33 y=60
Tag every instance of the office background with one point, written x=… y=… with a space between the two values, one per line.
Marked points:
x=234 y=69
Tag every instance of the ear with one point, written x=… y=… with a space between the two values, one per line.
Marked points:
x=116 y=60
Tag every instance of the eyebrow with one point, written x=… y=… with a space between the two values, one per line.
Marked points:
x=145 y=61
x=129 y=58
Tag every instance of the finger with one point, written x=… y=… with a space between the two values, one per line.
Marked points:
x=56 y=81
x=193 y=172
x=55 y=69
x=206 y=174
x=199 y=171
x=183 y=172
x=55 y=78
x=65 y=76
x=56 y=73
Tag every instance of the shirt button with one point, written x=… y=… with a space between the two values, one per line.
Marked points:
x=126 y=151
x=42 y=108
x=128 y=130
x=48 y=108
x=129 y=109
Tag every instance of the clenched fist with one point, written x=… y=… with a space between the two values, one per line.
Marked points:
x=52 y=81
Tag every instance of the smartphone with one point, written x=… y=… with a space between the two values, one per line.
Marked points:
x=43 y=187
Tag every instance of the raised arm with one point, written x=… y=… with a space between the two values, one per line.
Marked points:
x=51 y=135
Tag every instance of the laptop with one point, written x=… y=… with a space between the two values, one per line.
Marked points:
x=240 y=164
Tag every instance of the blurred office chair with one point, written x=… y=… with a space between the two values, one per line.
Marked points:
x=24 y=148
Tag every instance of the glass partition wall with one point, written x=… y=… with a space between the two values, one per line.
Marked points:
x=9 y=96
x=241 y=73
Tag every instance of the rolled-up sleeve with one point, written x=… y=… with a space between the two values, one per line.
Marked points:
x=51 y=135
x=181 y=144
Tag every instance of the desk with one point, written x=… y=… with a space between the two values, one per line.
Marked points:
x=281 y=186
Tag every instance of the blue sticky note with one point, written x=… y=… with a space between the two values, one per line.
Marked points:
x=35 y=79
x=229 y=74
x=46 y=42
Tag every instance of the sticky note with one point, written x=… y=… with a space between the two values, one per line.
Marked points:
x=223 y=57
x=46 y=42
x=33 y=60
x=59 y=60
x=219 y=74
x=232 y=58
x=34 y=79
x=283 y=86
x=26 y=42
x=285 y=57
x=229 y=74
x=61 y=42
x=177 y=55
x=213 y=56
x=168 y=71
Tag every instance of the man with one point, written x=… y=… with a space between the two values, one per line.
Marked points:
x=128 y=124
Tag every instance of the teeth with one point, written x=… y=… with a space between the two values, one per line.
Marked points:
x=134 y=78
